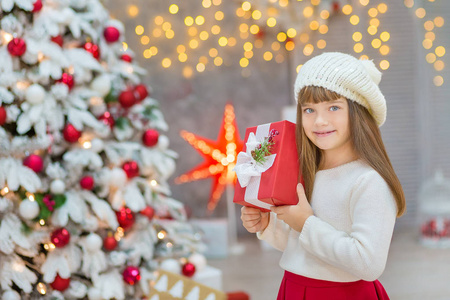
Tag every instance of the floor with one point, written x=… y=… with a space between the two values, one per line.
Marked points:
x=413 y=272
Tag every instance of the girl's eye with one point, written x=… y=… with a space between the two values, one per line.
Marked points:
x=308 y=110
x=334 y=108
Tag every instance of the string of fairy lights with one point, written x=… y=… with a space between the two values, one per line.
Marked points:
x=205 y=39
x=430 y=43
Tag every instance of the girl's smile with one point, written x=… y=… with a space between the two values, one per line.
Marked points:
x=324 y=133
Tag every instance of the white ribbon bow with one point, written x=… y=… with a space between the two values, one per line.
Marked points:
x=246 y=166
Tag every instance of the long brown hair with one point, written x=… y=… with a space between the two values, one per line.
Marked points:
x=366 y=140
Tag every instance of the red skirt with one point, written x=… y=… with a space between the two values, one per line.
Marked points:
x=296 y=287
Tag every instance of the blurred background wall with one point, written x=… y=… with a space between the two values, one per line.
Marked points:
x=417 y=130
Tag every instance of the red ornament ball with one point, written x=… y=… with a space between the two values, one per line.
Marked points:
x=107 y=119
x=111 y=34
x=261 y=34
x=131 y=275
x=188 y=269
x=58 y=40
x=87 y=183
x=125 y=217
x=126 y=57
x=127 y=98
x=93 y=49
x=37 y=6
x=60 y=284
x=149 y=212
x=336 y=6
x=17 y=47
x=150 y=137
x=71 y=134
x=131 y=168
x=60 y=237
x=2 y=115
x=140 y=92
x=67 y=79
x=109 y=243
x=34 y=162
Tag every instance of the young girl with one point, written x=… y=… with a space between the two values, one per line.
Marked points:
x=335 y=241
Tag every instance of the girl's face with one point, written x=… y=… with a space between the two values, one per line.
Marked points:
x=327 y=125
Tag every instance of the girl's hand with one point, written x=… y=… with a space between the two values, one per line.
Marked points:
x=253 y=219
x=295 y=215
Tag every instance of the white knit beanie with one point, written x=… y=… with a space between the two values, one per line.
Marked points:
x=354 y=79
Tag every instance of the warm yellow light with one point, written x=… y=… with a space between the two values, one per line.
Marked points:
x=430 y=35
x=374 y=22
x=248 y=54
x=259 y=43
x=283 y=3
x=439 y=65
x=124 y=46
x=254 y=29
x=189 y=21
x=240 y=12
x=323 y=29
x=384 y=50
x=223 y=41
x=206 y=3
x=409 y=3
x=304 y=37
x=153 y=182
x=439 y=21
x=354 y=20
x=162 y=234
x=200 y=67
x=297 y=69
x=279 y=58
x=204 y=35
x=376 y=43
x=428 y=25
x=219 y=15
x=256 y=14
x=213 y=52
x=357 y=36
x=364 y=2
x=427 y=44
x=363 y=57
x=243 y=27
x=314 y=25
x=440 y=51
x=244 y=35
x=159 y=20
x=170 y=34
x=217 y=2
x=182 y=57
x=200 y=20
x=272 y=11
x=42 y=222
x=173 y=9
x=358 y=47
x=271 y=22
x=248 y=46
x=420 y=12
x=246 y=6
x=385 y=36
x=145 y=40
x=373 y=12
x=276 y=46
x=268 y=56
x=308 y=50
x=438 y=80
x=281 y=36
x=244 y=62
x=153 y=50
x=4 y=191
x=187 y=72
x=133 y=11
x=166 y=62
x=290 y=45
x=314 y=2
x=308 y=11
x=347 y=9
x=430 y=58
x=166 y=26
x=157 y=32
x=382 y=8
x=192 y=31
x=139 y=30
x=41 y=288
x=193 y=44
x=291 y=32
x=324 y=14
x=218 y=61
x=372 y=30
x=232 y=42
x=215 y=29
x=87 y=145
x=384 y=65
x=321 y=44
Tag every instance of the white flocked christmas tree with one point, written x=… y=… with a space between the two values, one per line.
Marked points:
x=85 y=209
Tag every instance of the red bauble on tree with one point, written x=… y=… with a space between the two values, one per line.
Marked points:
x=111 y=34
x=60 y=237
x=67 y=79
x=60 y=284
x=131 y=275
x=93 y=49
x=107 y=119
x=336 y=6
x=87 y=183
x=17 y=47
x=127 y=98
x=140 y=92
x=126 y=57
x=188 y=269
x=261 y=34
x=149 y=212
x=71 y=134
x=125 y=217
x=2 y=115
x=109 y=243
x=58 y=40
x=131 y=168
x=37 y=6
x=34 y=162
x=150 y=137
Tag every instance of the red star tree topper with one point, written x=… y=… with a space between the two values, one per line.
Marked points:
x=219 y=157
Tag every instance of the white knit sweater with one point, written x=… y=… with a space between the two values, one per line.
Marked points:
x=348 y=237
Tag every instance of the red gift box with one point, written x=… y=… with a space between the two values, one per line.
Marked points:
x=277 y=184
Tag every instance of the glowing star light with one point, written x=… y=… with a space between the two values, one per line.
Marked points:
x=220 y=157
